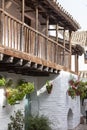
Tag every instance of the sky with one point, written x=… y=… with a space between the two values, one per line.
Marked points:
x=78 y=9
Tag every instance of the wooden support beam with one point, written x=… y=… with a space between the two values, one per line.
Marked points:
x=27 y=10
x=50 y=70
x=33 y=65
x=7 y=59
x=34 y=73
x=17 y=61
x=40 y=67
x=1 y=56
x=26 y=64
x=55 y=71
x=54 y=29
x=45 y=68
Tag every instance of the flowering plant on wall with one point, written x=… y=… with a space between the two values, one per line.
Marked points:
x=73 y=87
x=77 y=88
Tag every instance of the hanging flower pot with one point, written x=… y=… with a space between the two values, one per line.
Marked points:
x=72 y=92
x=49 y=87
x=17 y=94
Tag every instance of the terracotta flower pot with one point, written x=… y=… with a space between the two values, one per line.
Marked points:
x=71 y=82
x=6 y=93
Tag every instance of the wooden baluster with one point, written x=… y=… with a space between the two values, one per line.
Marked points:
x=36 y=35
x=5 y=31
x=56 y=46
x=27 y=40
x=16 y=34
x=46 y=45
x=9 y=33
x=19 y=36
x=12 y=34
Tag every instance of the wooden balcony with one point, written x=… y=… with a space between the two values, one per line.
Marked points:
x=25 y=50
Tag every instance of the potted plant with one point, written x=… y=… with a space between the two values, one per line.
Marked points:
x=49 y=87
x=72 y=92
x=74 y=82
x=16 y=93
x=19 y=92
x=77 y=88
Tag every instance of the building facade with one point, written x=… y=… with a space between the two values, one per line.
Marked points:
x=27 y=51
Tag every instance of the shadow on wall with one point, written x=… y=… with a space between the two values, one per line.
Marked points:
x=70 y=120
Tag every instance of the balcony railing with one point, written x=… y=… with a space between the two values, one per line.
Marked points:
x=21 y=37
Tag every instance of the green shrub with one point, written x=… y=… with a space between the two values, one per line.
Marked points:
x=39 y=123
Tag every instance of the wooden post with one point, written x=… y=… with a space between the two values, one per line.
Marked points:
x=36 y=35
x=36 y=18
x=56 y=32
x=56 y=46
x=2 y=23
x=47 y=26
x=76 y=63
x=23 y=4
x=63 y=61
x=22 y=30
x=70 y=49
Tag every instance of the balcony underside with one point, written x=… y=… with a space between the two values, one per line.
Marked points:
x=21 y=63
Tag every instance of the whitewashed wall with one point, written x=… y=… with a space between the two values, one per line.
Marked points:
x=57 y=104
x=9 y=110
x=63 y=112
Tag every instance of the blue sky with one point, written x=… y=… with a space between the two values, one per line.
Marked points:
x=78 y=9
